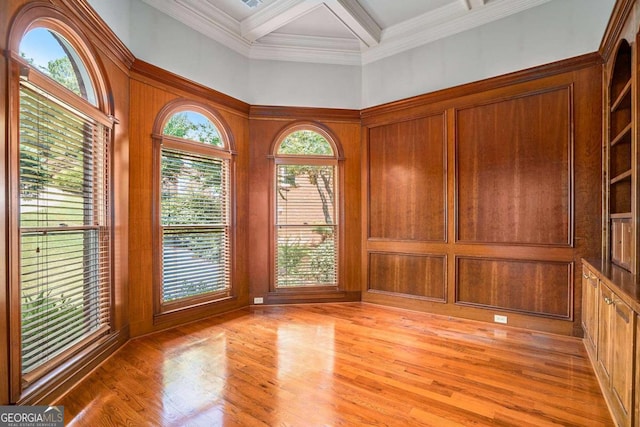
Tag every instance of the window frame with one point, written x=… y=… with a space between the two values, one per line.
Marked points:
x=227 y=152
x=24 y=386
x=337 y=161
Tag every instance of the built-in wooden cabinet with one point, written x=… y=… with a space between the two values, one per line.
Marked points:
x=615 y=353
x=622 y=351
x=610 y=334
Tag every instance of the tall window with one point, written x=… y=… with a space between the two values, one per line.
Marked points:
x=64 y=235
x=195 y=163
x=306 y=214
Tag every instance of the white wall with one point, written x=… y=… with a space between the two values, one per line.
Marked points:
x=116 y=14
x=553 y=31
x=305 y=84
x=164 y=42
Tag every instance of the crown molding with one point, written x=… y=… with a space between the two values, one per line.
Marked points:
x=443 y=22
x=310 y=49
x=621 y=11
x=226 y=31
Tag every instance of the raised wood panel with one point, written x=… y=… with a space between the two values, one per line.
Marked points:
x=407 y=180
x=514 y=163
x=422 y=276
x=538 y=288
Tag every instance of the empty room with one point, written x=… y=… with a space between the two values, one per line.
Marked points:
x=319 y=213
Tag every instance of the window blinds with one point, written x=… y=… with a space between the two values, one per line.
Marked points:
x=195 y=225
x=306 y=226
x=64 y=227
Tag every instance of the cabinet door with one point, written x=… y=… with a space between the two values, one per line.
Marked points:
x=605 y=314
x=622 y=242
x=622 y=348
x=590 y=309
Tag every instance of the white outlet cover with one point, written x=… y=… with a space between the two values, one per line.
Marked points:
x=500 y=319
x=258 y=300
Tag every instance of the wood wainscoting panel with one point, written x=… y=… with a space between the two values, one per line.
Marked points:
x=514 y=170
x=407 y=180
x=419 y=276
x=543 y=288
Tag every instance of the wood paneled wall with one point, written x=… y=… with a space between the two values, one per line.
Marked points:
x=266 y=124
x=479 y=200
x=151 y=90
x=469 y=201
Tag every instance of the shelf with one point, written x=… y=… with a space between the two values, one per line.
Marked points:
x=619 y=137
x=621 y=177
x=621 y=215
x=626 y=90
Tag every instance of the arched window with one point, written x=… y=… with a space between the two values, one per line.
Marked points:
x=61 y=250
x=194 y=254
x=306 y=207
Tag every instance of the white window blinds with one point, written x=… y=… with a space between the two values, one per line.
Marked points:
x=306 y=226
x=64 y=227
x=195 y=225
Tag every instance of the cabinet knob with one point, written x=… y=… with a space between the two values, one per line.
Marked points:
x=608 y=300
x=586 y=276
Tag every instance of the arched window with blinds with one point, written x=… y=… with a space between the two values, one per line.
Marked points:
x=306 y=228
x=62 y=254
x=194 y=253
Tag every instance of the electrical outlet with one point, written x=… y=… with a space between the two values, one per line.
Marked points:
x=500 y=319
x=260 y=300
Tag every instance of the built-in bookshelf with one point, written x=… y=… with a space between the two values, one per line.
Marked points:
x=621 y=168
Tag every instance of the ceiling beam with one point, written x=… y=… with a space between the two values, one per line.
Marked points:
x=473 y=4
x=274 y=16
x=357 y=20
x=281 y=12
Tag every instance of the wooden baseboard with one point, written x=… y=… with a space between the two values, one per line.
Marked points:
x=311 y=297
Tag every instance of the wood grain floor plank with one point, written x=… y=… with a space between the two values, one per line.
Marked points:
x=348 y=364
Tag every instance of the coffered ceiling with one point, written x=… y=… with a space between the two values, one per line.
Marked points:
x=350 y=32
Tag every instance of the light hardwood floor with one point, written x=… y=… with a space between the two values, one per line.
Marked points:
x=341 y=365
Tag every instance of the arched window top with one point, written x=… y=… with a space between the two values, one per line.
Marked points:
x=52 y=54
x=305 y=142
x=193 y=126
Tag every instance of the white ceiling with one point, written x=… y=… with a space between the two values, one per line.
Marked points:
x=350 y=32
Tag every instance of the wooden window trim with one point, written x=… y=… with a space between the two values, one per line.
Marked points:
x=20 y=73
x=165 y=311
x=337 y=161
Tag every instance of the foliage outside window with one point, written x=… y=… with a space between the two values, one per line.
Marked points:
x=64 y=230
x=306 y=228
x=194 y=211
